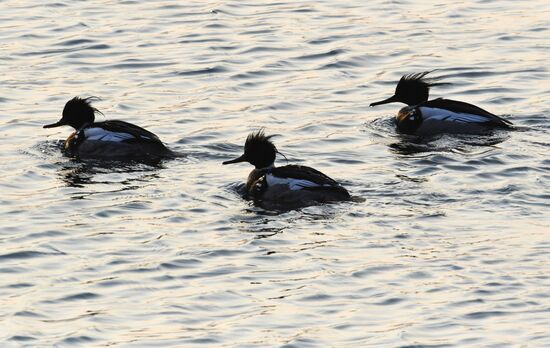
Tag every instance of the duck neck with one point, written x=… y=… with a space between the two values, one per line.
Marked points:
x=268 y=168
x=264 y=168
x=84 y=126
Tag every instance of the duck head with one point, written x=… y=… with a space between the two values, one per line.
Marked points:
x=258 y=151
x=77 y=113
x=412 y=89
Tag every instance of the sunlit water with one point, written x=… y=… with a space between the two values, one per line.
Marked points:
x=449 y=248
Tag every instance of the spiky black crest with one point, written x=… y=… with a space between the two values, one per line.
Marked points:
x=78 y=112
x=418 y=80
x=258 y=140
x=259 y=149
x=81 y=104
x=414 y=88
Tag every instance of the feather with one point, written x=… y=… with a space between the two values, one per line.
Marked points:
x=136 y=132
x=448 y=106
x=303 y=173
x=101 y=134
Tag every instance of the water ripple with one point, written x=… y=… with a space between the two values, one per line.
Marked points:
x=444 y=245
x=213 y=70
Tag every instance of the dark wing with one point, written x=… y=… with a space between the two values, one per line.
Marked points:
x=465 y=108
x=304 y=173
x=124 y=127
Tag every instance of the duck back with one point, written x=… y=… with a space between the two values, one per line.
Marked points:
x=293 y=186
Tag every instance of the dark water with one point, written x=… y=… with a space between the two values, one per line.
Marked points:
x=450 y=247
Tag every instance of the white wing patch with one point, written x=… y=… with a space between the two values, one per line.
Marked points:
x=447 y=115
x=293 y=184
x=101 y=134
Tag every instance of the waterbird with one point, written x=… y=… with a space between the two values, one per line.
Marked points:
x=287 y=187
x=112 y=139
x=429 y=117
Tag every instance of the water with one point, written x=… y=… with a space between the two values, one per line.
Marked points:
x=449 y=249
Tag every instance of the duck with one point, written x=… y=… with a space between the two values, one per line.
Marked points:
x=112 y=139
x=425 y=117
x=287 y=187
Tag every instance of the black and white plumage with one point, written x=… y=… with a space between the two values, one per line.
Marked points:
x=109 y=139
x=428 y=117
x=286 y=187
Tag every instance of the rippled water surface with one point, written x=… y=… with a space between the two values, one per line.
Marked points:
x=450 y=247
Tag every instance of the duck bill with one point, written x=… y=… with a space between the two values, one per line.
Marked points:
x=392 y=99
x=57 y=124
x=236 y=160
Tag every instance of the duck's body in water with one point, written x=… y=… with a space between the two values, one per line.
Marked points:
x=286 y=187
x=112 y=139
x=429 y=117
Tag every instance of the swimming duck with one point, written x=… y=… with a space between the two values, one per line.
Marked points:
x=428 y=117
x=109 y=139
x=286 y=187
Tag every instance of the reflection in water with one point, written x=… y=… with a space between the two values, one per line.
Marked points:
x=75 y=174
x=79 y=173
x=269 y=223
x=410 y=144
